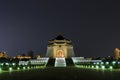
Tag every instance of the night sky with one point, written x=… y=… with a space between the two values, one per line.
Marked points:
x=93 y=26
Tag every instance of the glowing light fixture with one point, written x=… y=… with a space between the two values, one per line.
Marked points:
x=2 y=64
x=6 y=64
x=10 y=69
x=118 y=62
x=18 y=68
x=24 y=68
x=97 y=62
x=103 y=67
x=107 y=62
x=110 y=67
x=94 y=63
x=13 y=64
x=28 y=67
x=113 y=62
x=92 y=66
x=97 y=67
x=102 y=62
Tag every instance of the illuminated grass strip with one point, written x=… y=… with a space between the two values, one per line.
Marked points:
x=0 y=70
x=11 y=69
x=97 y=67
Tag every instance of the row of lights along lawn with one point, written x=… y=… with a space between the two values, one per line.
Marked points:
x=95 y=67
x=14 y=66
x=100 y=65
x=23 y=68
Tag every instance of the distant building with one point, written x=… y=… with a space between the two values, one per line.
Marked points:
x=22 y=57
x=3 y=54
x=117 y=53
x=60 y=47
x=38 y=56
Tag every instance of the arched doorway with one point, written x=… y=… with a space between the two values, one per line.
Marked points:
x=60 y=54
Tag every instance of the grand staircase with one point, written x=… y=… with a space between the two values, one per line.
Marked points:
x=60 y=62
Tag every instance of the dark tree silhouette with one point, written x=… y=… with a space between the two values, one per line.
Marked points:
x=31 y=53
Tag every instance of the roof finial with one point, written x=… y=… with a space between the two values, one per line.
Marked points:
x=59 y=33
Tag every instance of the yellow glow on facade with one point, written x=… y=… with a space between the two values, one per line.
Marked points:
x=117 y=53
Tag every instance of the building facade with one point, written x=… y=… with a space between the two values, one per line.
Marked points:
x=117 y=53
x=60 y=47
x=3 y=55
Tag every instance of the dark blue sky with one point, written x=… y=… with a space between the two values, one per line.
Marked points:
x=93 y=26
